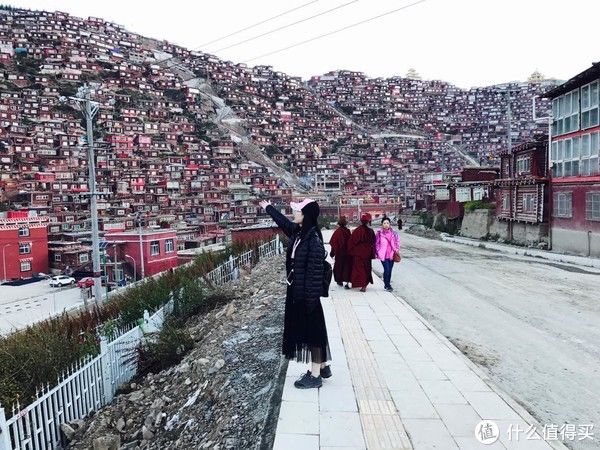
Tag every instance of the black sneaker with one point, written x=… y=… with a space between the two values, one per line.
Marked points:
x=326 y=372
x=307 y=381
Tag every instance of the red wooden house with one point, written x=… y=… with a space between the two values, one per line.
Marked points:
x=474 y=183
x=522 y=193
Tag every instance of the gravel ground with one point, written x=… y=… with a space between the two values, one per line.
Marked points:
x=422 y=231
x=226 y=391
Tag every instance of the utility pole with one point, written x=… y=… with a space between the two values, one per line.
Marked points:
x=139 y=225
x=509 y=120
x=89 y=110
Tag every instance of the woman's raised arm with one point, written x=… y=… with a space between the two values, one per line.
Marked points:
x=286 y=225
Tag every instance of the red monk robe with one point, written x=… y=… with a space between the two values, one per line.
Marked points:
x=342 y=267
x=362 y=249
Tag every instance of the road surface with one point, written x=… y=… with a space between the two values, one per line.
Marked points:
x=24 y=305
x=533 y=325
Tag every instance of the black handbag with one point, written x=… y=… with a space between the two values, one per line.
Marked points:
x=327 y=275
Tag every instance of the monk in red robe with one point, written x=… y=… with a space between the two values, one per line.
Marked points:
x=362 y=250
x=342 y=267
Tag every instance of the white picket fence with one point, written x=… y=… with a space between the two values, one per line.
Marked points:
x=93 y=382
x=230 y=270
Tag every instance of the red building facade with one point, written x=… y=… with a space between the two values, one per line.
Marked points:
x=23 y=245
x=574 y=159
x=158 y=250
x=474 y=183
x=522 y=193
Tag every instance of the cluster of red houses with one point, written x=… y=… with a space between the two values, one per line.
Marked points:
x=472 y=119
x=26 y=251
x=546 y=190
x=167 y=151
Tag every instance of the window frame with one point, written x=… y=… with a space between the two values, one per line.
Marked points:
x=506 y=201
x=583 y=152
x=83 y=260
x=28 y=263
x=23 y=246
x=568 y=207
x=154 y=248
x=27 y=234
x=172 y=245
x=592 y=204
x=566 y=109
x=594 y=104
x=523 y=164
x=529 y=197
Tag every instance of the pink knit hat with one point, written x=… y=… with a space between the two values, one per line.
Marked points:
x=297 y=206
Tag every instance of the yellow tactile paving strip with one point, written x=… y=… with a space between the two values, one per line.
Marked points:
x=381 y=423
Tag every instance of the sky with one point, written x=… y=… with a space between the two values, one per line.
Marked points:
x=466 y=42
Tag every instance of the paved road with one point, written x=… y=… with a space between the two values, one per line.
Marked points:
x=24 y=305
x=533 y=325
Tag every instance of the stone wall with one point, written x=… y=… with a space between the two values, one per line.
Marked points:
x=576 y=242
x=527 y=233
x=482 y=223
x=476 y=224
x=499 y=228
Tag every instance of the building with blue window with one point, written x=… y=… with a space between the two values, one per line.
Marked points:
x=574 y=156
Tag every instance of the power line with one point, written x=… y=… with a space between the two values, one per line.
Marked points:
x=285 y=26
x=243 y=29
x=335 y=31
x=261 y=22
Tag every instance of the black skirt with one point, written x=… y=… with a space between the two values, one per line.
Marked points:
x=304 y=333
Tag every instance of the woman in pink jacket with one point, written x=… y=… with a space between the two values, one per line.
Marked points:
x=387 y=244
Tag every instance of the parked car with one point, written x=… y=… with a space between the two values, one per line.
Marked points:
x=85 y=282
x=61 y=280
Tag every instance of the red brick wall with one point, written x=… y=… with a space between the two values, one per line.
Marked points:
x=9 y=252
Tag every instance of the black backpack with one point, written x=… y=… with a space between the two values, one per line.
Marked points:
x=327 y=275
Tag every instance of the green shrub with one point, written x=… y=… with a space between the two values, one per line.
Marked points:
x=189 y=299
x=478 y=204
x=37 y=355
x=168 y=347
x=452 y=226
x=163 y=349
x=426 y=218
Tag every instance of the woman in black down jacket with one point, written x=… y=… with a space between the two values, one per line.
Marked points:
x=304 y=331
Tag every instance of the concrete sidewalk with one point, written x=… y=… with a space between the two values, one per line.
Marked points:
x=397 y=384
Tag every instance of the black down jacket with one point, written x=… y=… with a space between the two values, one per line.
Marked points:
x=308 y=262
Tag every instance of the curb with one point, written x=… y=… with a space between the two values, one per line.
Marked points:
x=522 y=251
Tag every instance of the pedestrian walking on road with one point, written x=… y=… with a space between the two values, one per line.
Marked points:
x=362 y=250
x=342 y=268
x=387 y=246
x=304 y=330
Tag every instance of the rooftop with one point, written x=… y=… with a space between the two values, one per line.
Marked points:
x=578 y=80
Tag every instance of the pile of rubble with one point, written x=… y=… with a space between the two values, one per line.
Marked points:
x=423 y=231
x=223 y=395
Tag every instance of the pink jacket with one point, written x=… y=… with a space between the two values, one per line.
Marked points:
x=387 y=242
